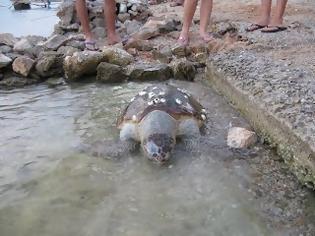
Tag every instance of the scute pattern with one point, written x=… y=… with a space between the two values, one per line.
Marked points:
x=175 y=101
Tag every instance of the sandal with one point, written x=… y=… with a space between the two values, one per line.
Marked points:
x=183 y=41
x=273 y=29
x=254 y=27
x=91 y=45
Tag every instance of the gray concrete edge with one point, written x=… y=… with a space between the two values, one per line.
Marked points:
x=296 y=153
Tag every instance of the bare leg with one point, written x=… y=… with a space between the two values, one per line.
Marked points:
x=110 y=18
x=205 y=13
x=277 y=20
x=265 y=11
x=189 y=11
x=84 y=19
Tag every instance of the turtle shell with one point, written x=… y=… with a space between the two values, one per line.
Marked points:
x=175 y=101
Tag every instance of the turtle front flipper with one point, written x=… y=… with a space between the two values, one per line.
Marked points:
x=110 y=149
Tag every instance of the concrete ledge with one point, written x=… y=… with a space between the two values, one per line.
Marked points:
x=234 y=79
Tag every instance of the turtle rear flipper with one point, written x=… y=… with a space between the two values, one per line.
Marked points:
x=111 y=149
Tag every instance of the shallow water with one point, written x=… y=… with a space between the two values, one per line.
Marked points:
x=36 y=21
x=47 y=187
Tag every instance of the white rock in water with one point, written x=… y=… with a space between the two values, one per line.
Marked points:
x=240 y=137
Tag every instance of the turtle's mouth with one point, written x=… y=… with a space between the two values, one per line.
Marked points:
x=155 y=151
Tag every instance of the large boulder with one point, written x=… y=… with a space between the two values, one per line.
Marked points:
x=49 y=64
x=65 y=12
x=4 y=60
x=144 y=72
x=23 y=65
x=183 y=69
x=110 y=73
x=82 y=63
x=7 y=39
x=117 y=56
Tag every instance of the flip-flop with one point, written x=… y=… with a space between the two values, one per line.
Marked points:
x=254 y=27
x=273 y=29
x=183 y=41
x=90 y=45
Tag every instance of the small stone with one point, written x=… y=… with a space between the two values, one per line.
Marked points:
x=141 y=71
x=23 y=65
x=49 y=64
x=123 y=17
x=240 y=138
x=4 y=60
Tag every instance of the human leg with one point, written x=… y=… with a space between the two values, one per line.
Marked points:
x=110 y=18
x=189 y=11
x=264 y=18
x=205 y=13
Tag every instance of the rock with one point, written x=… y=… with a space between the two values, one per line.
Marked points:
x=180 y=51
x=22 y=46
x=76 y=44
x=1 y=76
x=183 y=69
x=55 y=81
x=55 y=41
x=13 y=55
x=163 y=55
x=132 y=26
x=147 y=31
x=240 y=138
x=139 y=44
x=99 y=32
x=35 y=39
x=73 y=27
x=49 y=64
x=65 y=12
x=123 y=8
x=149 y=72
x=21 y=5
x=225 y=27
x=67 y=50
x=13 y=81
x=123 y=17
x=99 y=22
x=23 y=65
x=82 y=63
x=110 y=73
x=4 y=60
x=5 y=49
x=7 y=39
x=117 y=56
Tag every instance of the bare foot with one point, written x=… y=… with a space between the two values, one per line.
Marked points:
x=113 y=39
x=206 y=37
x=183 y=40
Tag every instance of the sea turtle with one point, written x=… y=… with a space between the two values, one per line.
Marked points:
x=156 y=116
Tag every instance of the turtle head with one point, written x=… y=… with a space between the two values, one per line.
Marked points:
x=157 y=134
x=158 y=147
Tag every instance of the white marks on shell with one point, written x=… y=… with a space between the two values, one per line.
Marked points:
x=156 y=100
x=142 y=93
x=188 y=107
x=132 y=99
x=151 y=95
x=184 y=91
x=150 y=103
x=163 y=100
x=185 y=96
x=162 y=93
x=134 y=118
x=178 y=101
x=203 y=110
x=203 y=117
